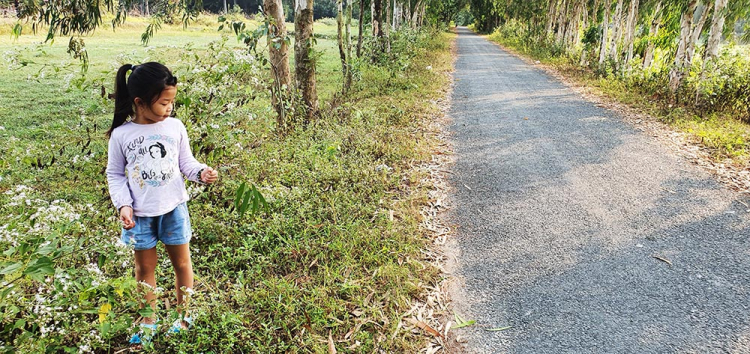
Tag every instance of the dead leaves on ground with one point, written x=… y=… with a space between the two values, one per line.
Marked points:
x=424 y=326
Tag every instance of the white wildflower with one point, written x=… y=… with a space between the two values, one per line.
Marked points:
x=68 y=78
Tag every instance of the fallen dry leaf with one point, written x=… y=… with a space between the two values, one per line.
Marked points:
x=663 y=260
x=425 y=327
x=349 y=334
x=331 y=346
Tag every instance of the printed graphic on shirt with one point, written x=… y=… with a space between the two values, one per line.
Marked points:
x=154 y=160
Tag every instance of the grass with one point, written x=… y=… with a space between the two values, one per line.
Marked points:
x=326 y=257
x=725 y=136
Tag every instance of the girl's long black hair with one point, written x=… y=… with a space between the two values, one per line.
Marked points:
x=146 y=81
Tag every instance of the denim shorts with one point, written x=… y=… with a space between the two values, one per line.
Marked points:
x=172 y=228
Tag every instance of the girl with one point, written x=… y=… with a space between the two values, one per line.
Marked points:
x=144 y=152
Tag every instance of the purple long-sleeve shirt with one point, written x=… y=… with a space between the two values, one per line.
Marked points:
x=145 y=165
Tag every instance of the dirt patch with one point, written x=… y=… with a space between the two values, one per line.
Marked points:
x=434 y=317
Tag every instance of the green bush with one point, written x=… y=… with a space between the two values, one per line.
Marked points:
x=724 y=85
x=515 y=35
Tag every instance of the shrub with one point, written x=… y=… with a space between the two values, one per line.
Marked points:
x=724 y=85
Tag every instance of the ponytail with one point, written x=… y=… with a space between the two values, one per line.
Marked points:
x=123 y=101
x=146 y=81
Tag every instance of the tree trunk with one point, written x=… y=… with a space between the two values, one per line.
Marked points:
x=630 y=27
x=717 y=27
x=561 y=15
x=407 y=13
x=278 y=51
x=342 y=51
x=573 y=25
x=595 y=12
x=377 y=18
x=361 y=27
x=580 y=24
x=569 y=23
x=551 y=18
x=348 y=28
x=696 y=34
x=148 y=10
x=225 y=7
x=343 y=20
x=686 y=23
x=415 y=14
x=649 y=55
x=398 y=13
x=372 y=17
x=617 y=22
x=304 y=61
x=387 y=26
x=422 y=14
x=605 y=30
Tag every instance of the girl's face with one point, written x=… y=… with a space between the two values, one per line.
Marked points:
x=160 y=110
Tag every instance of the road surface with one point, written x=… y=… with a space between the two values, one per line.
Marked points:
x=562 y=210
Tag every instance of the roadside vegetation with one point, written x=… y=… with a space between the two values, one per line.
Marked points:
x=334 y=257
x=681 y=61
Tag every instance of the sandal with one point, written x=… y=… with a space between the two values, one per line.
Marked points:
x=177 y=325
x=145 y=334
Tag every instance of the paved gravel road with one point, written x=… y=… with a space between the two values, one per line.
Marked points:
x=561 y=209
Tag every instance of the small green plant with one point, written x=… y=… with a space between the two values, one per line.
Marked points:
x=461 y=323
x=249 y=199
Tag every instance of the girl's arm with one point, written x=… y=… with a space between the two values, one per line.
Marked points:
x=189 y=166
x=119 y=190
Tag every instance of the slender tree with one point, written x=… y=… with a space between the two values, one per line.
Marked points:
x=344 y=20
x=387 y=26
x=630 y=25
x=617 y=31
x=377 y=18
x=303 y=56
x=360 y=35
x=552 y=10
x=686 y=30
x=696 y=33
x=605 y=33
x=278 y=49
x=717 y=27
x=648 y=56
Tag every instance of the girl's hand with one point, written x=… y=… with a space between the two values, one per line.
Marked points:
x=126 y=216
x=209 y=175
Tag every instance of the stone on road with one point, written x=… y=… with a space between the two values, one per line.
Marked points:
x=562 y=210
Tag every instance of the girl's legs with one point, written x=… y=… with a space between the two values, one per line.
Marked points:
x=145 y=265
x=183 y=269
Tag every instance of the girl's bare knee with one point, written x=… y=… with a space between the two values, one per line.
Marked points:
x=182 y=266
x=144 y=270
